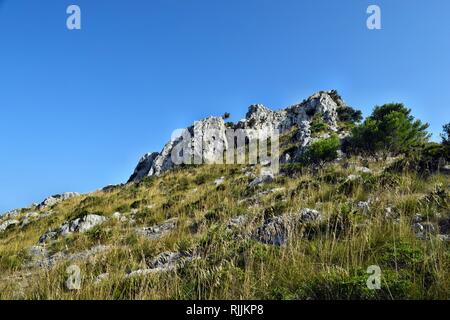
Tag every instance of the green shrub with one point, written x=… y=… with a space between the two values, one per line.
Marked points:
x=426 y=160
x=446 y=141
x=98 y=234
x=322 y=151
x=202 y=178
x=292 y=169
x=277 y=209
x=140 y=203
x=446 y=135
x=342 y=286
x=318 y=125
x=123 y=208
x=390 y=130
x=401 y=255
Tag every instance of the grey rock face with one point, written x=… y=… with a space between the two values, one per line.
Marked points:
x=10 y=215
x=164 y=262
x=7 y=224
x=424 y=230
x=364 y=205
x=265 y=177
x=122 y=218
x=278 y=230
x=390 y=213
x=167 y=260
x=219 y=181
x=237 y=222
x=38 y=252
x=86 y=223
x=157 y=231
x=141 y=272
x=81 y=225
x=307 y=215
x=41 y=258
x=208 y=137
x=144 y=166
x=363 y=169
x=262 y=118
x=55 y=199
x=49 y=235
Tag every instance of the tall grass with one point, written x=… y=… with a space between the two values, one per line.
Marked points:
x=327 y=260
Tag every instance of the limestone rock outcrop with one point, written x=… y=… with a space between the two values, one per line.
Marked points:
x=55 y=199
x=81 y=225
x=207 y=137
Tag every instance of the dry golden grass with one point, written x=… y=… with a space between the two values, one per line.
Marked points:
x=326 y=261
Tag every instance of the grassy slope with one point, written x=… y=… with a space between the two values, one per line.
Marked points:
x=328 y=262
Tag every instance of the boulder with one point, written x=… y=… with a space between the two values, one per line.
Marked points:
x=164 y=262
x=424 y=230
x=119 y=217
x=7 y=224
x=219 y=181
x=364 y=205
x=87 y=222
x=81 y=225
x=157 y=231
x=11 y=214
x=363 y=170
x=40 y=257
x=55 y=199
x=307 y=215
x=167 y=260
x=265 y=177
x=205 y=139
x=237 y=222
x=277 y=230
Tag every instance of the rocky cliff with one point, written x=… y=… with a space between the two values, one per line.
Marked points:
x=258 y=117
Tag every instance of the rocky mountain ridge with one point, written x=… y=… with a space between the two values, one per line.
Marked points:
x=259 y=118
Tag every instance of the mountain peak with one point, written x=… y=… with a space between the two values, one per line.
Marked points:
x=258 y=117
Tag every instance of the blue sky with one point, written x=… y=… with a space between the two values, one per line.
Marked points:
x=78 y=108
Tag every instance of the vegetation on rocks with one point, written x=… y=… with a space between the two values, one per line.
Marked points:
x=235 y=232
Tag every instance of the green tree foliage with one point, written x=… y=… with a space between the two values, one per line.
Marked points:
x=446 y=140
x=427 y=159
x=390 y=130
x=322 y=151
x=349 y=115
x=446 y=135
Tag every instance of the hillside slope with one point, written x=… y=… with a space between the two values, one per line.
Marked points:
x=234 y=232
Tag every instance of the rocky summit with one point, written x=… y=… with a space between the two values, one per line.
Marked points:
x=259 y=118
x=349 y=197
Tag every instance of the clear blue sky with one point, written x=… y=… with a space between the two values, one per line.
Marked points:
x=78 y=108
